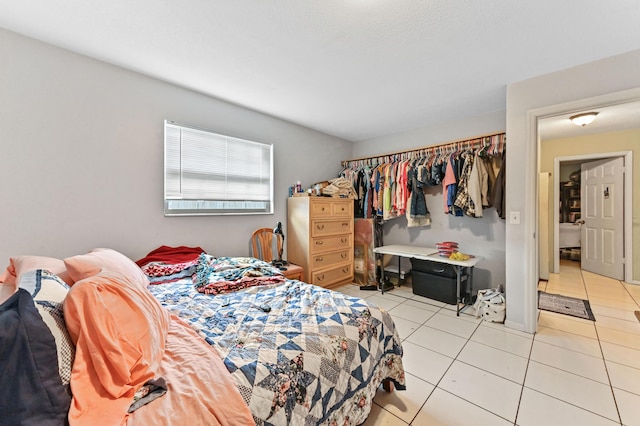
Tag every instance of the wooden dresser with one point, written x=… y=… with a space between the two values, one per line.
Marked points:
x=321 y=239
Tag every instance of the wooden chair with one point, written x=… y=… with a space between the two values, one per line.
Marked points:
x=262 y=244
x=262 y=248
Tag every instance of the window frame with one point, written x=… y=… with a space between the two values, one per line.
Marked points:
x=197 y=204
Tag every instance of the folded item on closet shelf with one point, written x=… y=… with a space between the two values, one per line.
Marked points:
x=340 y=187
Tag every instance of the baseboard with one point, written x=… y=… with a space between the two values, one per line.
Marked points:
x=515 y=326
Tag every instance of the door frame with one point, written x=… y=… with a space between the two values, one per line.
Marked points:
x=531 y=150
x=627 y=209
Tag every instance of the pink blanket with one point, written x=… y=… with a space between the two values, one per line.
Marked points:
x=124 y=338
x=200 y=389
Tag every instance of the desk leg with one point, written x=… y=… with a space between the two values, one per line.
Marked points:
x=380 y=263
x=383 y=280
x=458 y=298
x=470 y=279
x=458 y=270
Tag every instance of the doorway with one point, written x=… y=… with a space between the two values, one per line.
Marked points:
x=576 y=161
x=531 y=103
x=548 y=153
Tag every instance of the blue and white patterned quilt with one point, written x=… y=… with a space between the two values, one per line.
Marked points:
x=300 y=354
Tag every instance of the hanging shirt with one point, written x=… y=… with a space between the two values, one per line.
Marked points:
x=474 y=186
x=463 y=198
x=448 y=183
x=386 y=196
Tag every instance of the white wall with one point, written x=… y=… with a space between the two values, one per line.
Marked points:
x=482 y=236
x=82 y=157
x=577 y=88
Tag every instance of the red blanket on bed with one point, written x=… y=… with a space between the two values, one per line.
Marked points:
x=168 y=254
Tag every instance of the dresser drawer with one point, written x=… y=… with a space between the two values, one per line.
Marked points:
x=325 y=260
x=332 y=276
x=329 y=208
x=342 y=209
x=321 y=209
x=320 y=228
x=325 y=244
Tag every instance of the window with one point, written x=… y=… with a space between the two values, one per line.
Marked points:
x=206 y=173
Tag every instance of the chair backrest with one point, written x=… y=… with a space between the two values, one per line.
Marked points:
x=262 y=244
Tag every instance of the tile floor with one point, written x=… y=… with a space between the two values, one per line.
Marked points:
x=463 y=371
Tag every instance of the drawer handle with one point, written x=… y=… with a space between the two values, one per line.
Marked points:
x=344 y=240
x=320 y=226
x=345 y=224
x=342 y=209
x=320 y=277
x=319 y=259
x=322 y=208
x=319 y=243
x=439 y=270
x=345 y=270
x=343 y=255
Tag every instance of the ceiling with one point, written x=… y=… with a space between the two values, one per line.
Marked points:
x=610 y=118
x=356 y=69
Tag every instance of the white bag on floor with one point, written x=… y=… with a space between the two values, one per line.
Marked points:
x=490 y=305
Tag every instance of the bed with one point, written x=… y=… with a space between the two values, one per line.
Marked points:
x=238 y=347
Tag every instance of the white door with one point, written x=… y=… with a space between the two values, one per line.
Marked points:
x=602 y=204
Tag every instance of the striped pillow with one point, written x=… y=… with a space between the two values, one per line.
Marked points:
x=48 y=292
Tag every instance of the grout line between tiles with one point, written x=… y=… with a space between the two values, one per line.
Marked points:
x=573 y=405
x=601 y=353
x=442 y=377
x=384 y=409
x=473 y=403
x=606 y=369
x=424 y=403
x=524 y=380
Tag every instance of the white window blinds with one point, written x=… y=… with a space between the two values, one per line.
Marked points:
x=209 y=173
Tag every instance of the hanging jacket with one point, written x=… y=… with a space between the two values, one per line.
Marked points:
x=498 y=200
x=474 y=186
x=417 y=211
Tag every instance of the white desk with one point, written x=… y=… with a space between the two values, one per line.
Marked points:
x=431 y=253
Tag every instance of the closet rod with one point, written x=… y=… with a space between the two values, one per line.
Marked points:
x=371 y=157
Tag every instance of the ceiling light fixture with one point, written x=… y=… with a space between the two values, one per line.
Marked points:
x=583 y=119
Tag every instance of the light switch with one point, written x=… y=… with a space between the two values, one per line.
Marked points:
x=514 y=218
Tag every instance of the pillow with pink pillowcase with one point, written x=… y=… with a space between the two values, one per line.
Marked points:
x=88 y=265
x=22 y=264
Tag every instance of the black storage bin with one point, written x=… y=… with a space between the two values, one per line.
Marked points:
x=438 y=287
x=437 y=281
x=435 y=268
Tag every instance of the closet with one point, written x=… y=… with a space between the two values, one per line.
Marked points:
x=469 y=173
